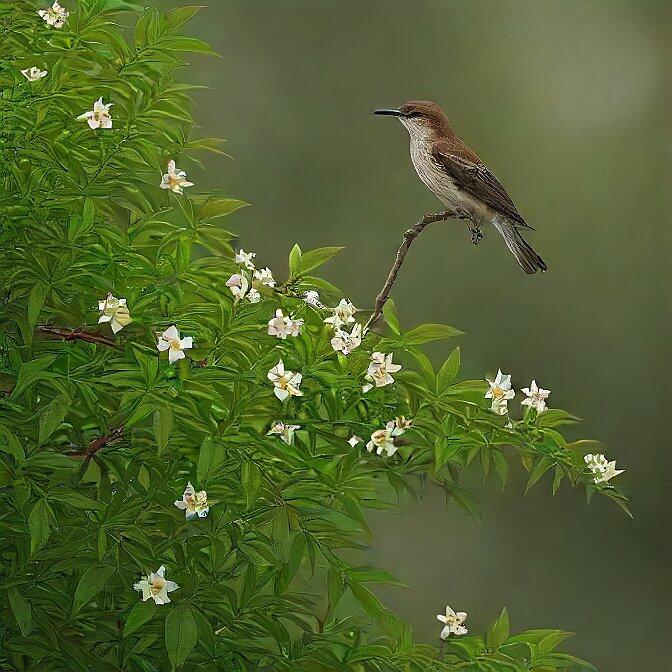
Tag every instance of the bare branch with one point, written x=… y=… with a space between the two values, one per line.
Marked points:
x=94 y=446
x=409 y=237
x=75 y=334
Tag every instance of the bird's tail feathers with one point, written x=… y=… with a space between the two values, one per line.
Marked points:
x=526 y=257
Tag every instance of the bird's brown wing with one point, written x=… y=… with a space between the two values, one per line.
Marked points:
x=475 y=178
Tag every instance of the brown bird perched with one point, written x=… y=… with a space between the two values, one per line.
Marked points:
x=460 y=180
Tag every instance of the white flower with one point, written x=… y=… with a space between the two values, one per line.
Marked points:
x=453 y=622
x=354 y=440
x=379 y=371
x=283 y=325
x=602 y=469
x=174 y=179
x=99 y=117
x=115 y=312
x=33 y=74
x=238 y=284
x=245 y=258
x=194 y=504
x=343 y=314
x=265 y=277
x=170 y=340
x=535 y=397
x=500 y=392
x=286 y=383
x=154 y=586
x=346 y=342
x=55 y=15
x=383 y=440
x=312 y=298
x=286 y=432
x=253 y=296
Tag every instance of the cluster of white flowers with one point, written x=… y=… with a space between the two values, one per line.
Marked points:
x=285 y=383
x=115 y=312
x=346 y=342
x=344 y=313
x=55 y=16
x=33 y=74
x=383 y=440
x=380 y=368
x=170 y=340
x=312 y=298
x=240 y=283
x=501 y=393
x=194 y=504
x=175 y=179
x=602 y=469
x=154 y=586
x=286 y=432
x=452 y=621
x=283 y=325
x=99 y=117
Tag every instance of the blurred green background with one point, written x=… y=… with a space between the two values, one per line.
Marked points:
x=566 y=102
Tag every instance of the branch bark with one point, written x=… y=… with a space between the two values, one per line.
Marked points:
x=409 y=237
x=94 y=446
x=75 y=334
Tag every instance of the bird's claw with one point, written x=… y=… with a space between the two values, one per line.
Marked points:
x=476 y=235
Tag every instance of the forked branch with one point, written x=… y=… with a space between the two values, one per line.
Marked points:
x=409 y=237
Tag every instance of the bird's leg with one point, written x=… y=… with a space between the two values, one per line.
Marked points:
x=476 y=233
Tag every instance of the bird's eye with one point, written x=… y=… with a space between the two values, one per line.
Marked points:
x=414 y=114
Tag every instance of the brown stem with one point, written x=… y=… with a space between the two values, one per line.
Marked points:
x=102 y=441
x=75 y=334
x=409 y=237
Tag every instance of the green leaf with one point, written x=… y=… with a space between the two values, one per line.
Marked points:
x=52 y=417
x=10 y=444
x=181 y=634
x=295 y=262
x=163 y=426
x=38 y=293
x=77 y=499
x=499 y=632
x=448 y=371
x=141 y=613
x=177 y=17
x=191 y=44
x=251 y=477
x=429 y=332
x=21 y=610
x=209 y=458
x=219 y=207
x=39 y=522
x=390 y=315
x=91 y=583
x=314 y=258
x=29 y=373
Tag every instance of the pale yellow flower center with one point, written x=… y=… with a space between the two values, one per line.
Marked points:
x=156 y=585
x=497 y=392
x=175 y=344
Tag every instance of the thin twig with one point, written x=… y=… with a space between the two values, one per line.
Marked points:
x=94 y=446
x=409 y=237
x=75 y=334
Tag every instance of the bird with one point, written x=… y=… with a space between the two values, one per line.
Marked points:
x=460 y=180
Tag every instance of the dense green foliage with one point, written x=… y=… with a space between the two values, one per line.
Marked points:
x=100 y=433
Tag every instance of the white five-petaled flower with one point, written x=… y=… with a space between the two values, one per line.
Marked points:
x=170 y=340
x=155 y=587
x=283 y=325
x=500 y=392
x=115 y=312
x=602 y=469
x=253 y=296
x=342 y=314
x=383 y=440
x=55 y=15
x=99 y=117
x=175 y=179
x=536 y=397
x=286 y=383
x=312 y=298
x=354 y=440
x=286 y=432
x=265 y=277
x=453 y=623
x=346 y=342
x=238 y=284
x=33 y=74
x=245 y=258
x=194 y=504
x=379 y=371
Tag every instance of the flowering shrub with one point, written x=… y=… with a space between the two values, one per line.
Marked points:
x=188 y=445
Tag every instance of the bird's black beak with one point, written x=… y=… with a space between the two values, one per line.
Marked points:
x=390 y=113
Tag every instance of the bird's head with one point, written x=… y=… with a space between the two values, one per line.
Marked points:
x=420 y=117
